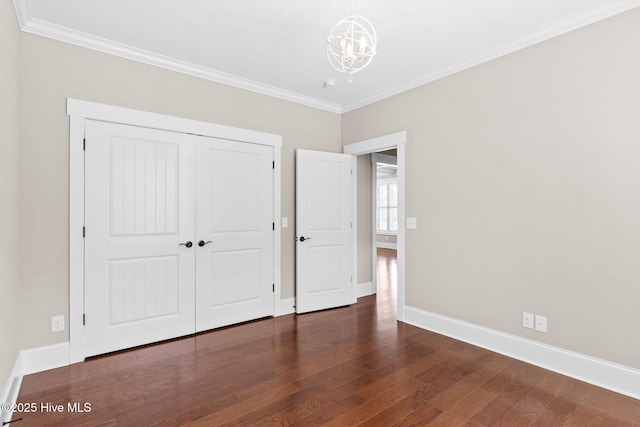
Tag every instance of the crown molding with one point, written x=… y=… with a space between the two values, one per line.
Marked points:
x=31 y=25
x=588 y=16
x=603 y=10
x=23 y=12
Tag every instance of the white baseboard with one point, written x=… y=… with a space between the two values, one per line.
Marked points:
x=57 y=355
x=608 y=375
x=11 y=388
x=364 y=289
x=44 y=358
x=285 y=306
x=386 y=245
x=29 y=362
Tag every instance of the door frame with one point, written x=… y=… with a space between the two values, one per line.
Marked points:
x=79 y=112
x=395 y=140
x=375 y=158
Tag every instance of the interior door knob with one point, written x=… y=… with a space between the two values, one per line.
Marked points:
x=201 y=243
x=302 y=238
x=187 y=244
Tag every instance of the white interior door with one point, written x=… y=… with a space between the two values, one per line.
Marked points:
x=324 y=218
x=235 y=232
x=139 y=209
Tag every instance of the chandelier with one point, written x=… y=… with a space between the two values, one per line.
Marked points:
x=351 y=44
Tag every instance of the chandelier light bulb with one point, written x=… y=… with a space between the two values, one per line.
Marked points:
x=349 y=57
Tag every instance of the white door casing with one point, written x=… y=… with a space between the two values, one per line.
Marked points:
x=324 y=220
x=235 y=225
x=398 y=141
x=139 y=280
x=80 y=113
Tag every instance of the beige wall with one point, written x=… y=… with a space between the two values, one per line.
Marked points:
x=364 y=218
x=522 y=173
x=524 y=176
x=9 y=102
x=52 y=71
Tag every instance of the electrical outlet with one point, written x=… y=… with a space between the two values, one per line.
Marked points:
x=527 y=320
x=57 y=323
x=541 y=323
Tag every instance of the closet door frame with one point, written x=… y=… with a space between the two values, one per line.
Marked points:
x=79 y=111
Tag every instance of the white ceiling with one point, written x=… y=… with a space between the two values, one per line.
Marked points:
x=278 y=47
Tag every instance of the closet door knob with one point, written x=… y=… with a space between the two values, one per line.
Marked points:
x=201 y=243
x=187 y=244
x=302 y=238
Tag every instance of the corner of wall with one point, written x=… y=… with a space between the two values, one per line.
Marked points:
x=10 y=365
x=11 y=388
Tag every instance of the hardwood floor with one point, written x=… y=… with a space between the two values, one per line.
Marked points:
x=387 y=272
x=348 y=366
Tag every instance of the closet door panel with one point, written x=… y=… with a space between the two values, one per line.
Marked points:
x=234 y=225
x=139 y=207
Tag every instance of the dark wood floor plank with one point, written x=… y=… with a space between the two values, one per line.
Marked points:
x=534 y=406
x=461 y=412
x=486 y=367
x=235 y=411
x=509 y=386
x=626 y=408
x=348 y=366
x=376 y=403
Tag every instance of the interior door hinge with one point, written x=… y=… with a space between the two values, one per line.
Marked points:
x=273 y=288
x=84 y=232
x=273 y=164
x=84 y=143
x=274 y=226
x=84 y=318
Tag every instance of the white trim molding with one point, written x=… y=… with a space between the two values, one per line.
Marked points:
x=277 y=228
x=365 y=289
x=11 y=388
x=81 y=111
x=29 y=24
x=44 y=358
x=601 y=373
x=86 y=110
x=29 y=362
x=396 y=140
x=599 y=12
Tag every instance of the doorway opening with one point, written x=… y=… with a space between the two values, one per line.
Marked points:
x=365 y=229
x=384 y=219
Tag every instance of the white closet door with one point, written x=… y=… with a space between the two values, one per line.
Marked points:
x=139 y=207
x=324 y=216
x=234 y=225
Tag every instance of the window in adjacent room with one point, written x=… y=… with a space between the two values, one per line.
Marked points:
x=387 y=214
